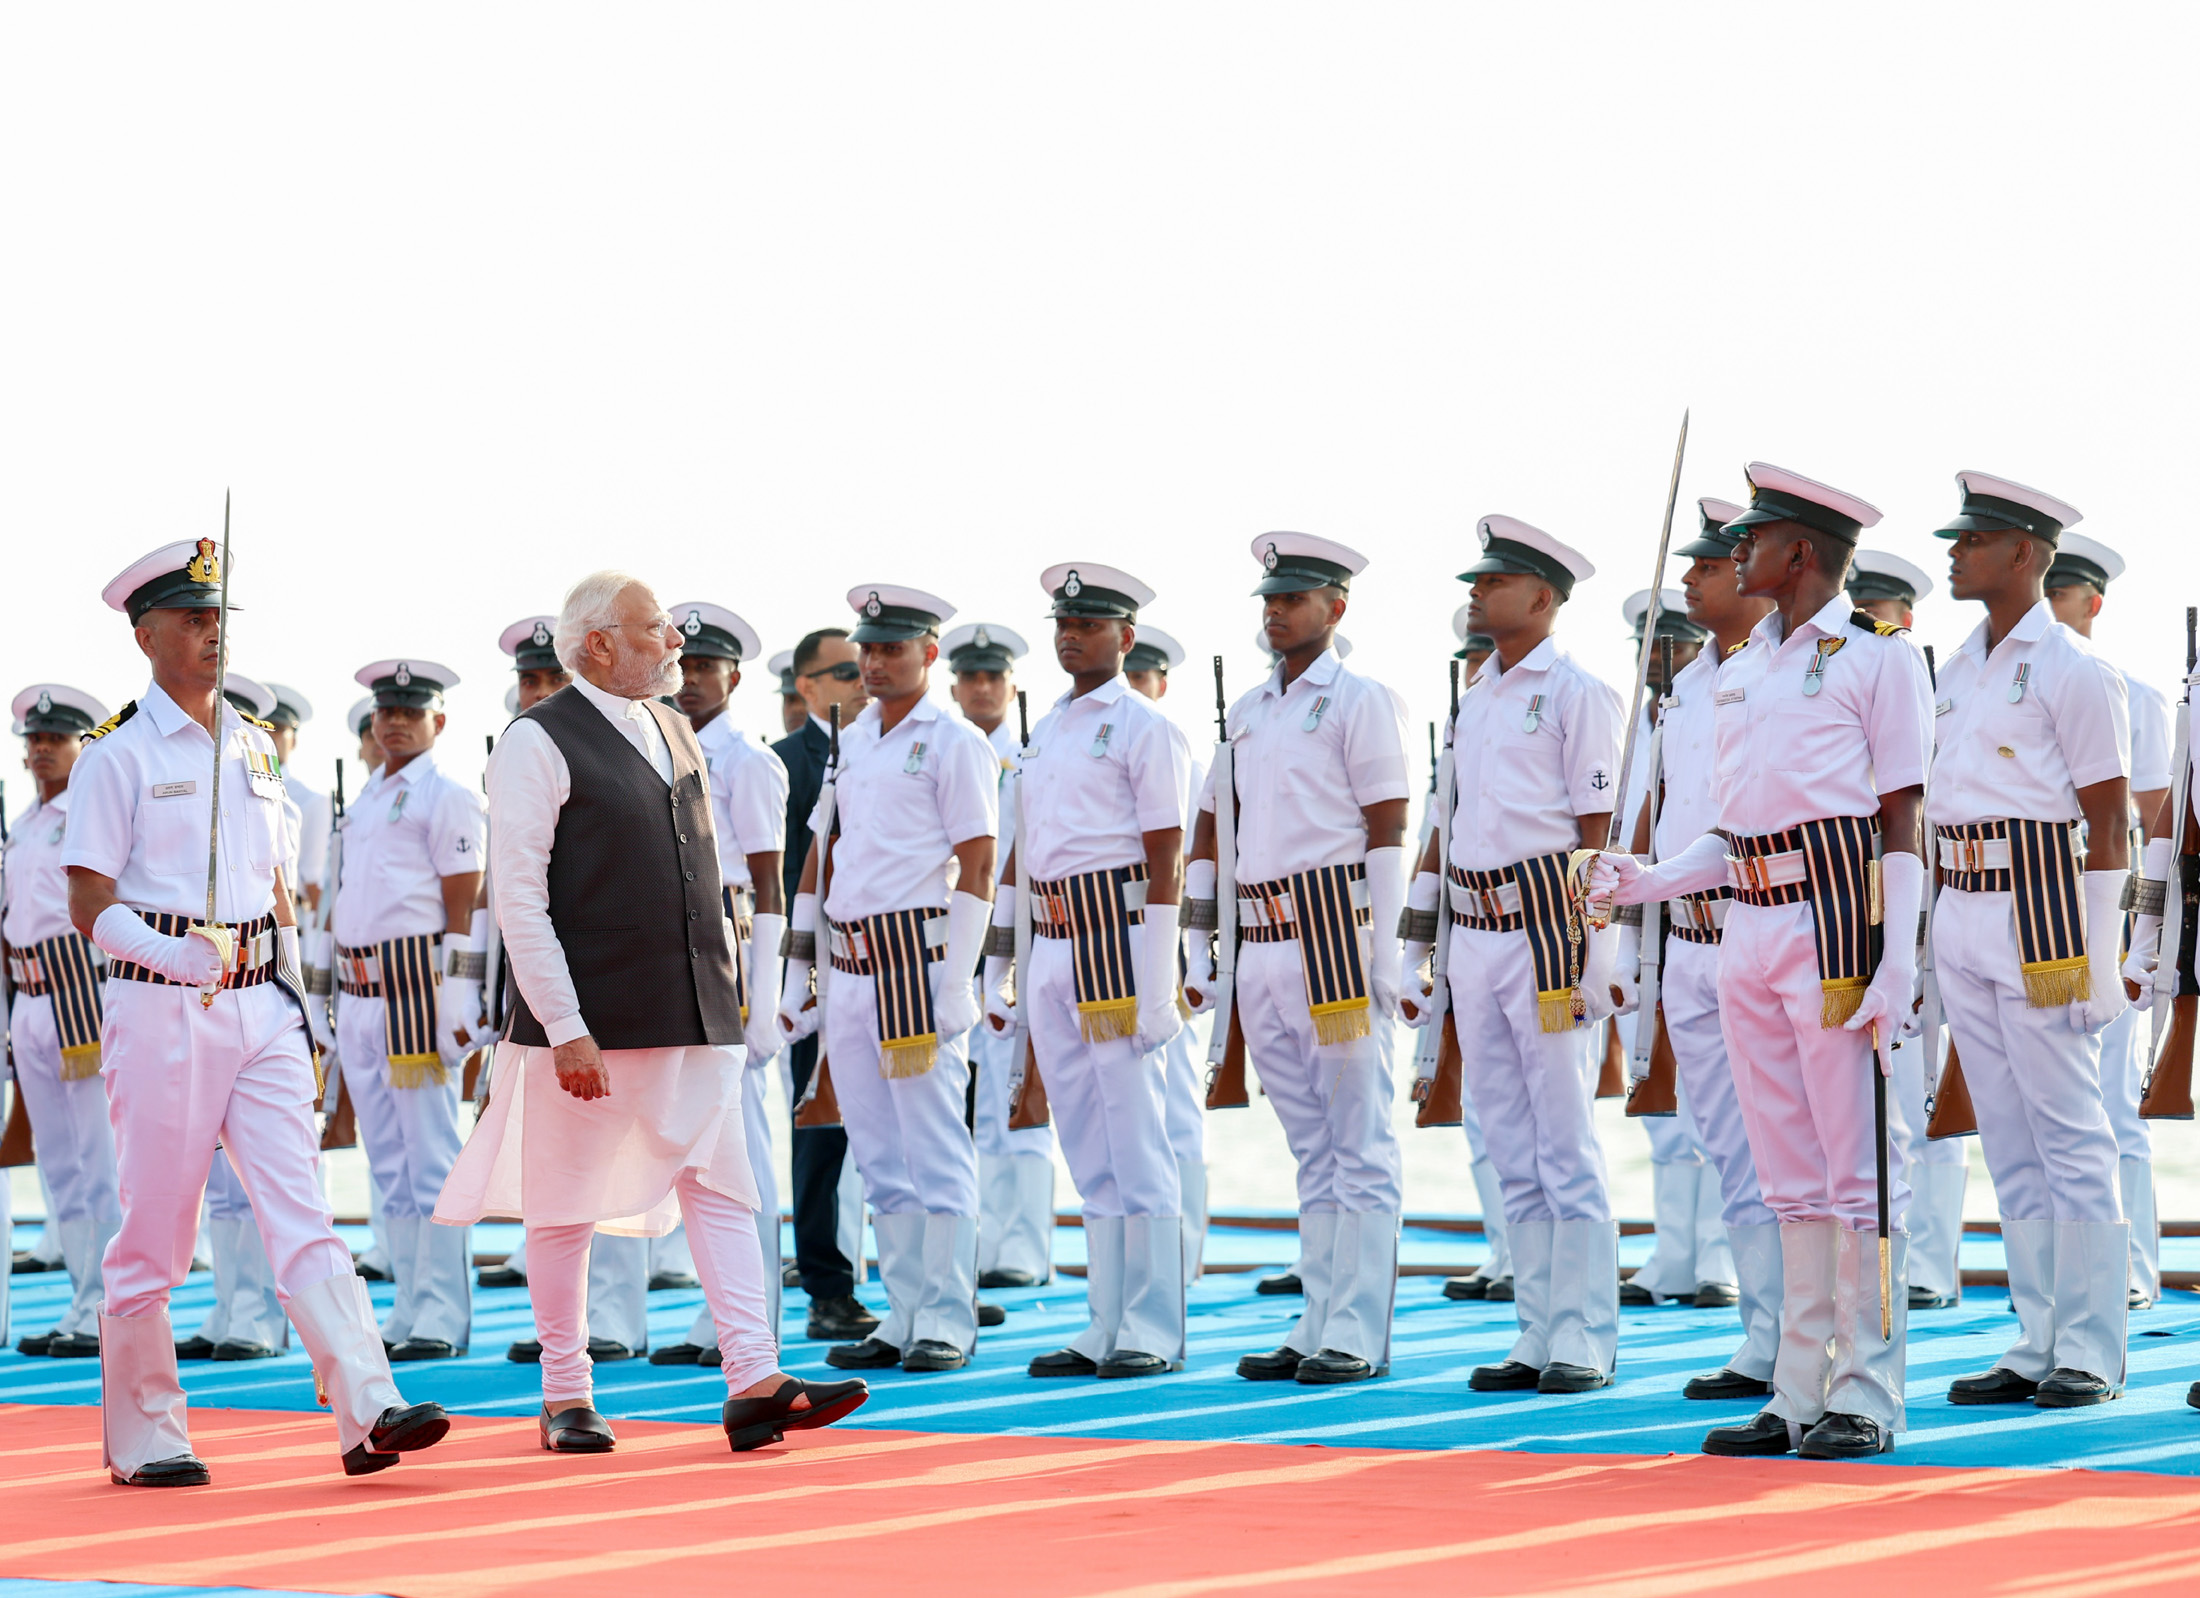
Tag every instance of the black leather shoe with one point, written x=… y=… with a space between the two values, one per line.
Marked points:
x=1333 y=1366
x=930 y=1354
x=1501 y=1290
x=604 y=1351
x=708 y=1355
x=1062 y=1362
x=2134 y=1299
x=2192 y=1395
x=1560 y=1377
x=753 y=1422
x=1726 y=1384
x=525 y=1352
x=1128 y=1363
x=400 y=1430
x=674 y=1354
x=28 y=1264
x=790 y=1275
x=74 y=1345
x=868 y=1355
x=244 y=1348
x=1283 y=1284
x=1466 y=1287
x=2074 y=1389
x=841 y=1320
x=1510 y=1377
x=1997 y=1386
x=39 y=1342
x=1632 y=1296
x=415 y=1348
x=372 y=1273
x=499 y=1276
x=1717 y=1295
x=993 y=1281
x=672 y=1281
x=1765 y=1434
x=194 y=1348
x=991 y=1314
x=1926 y=1298
x=1846 y=1437
x=579 y=1430
x=1280 y=1366
x=182 y=1471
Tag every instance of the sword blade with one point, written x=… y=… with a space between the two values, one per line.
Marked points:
x=1649 y=642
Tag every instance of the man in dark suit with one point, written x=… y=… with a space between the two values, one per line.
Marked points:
x=825 y=674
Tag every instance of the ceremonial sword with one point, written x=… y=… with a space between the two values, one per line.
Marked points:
x=1649 y=635
x=217 y=934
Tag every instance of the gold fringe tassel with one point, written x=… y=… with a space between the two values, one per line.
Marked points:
x=1839 y=998
x=2049 y=984
x=80 y=1063
x=907 y=1057
x=1555 y=1010
x=1342 y=1020
x=1183 y=1005
x=1105 y=1020
x=418 y=1070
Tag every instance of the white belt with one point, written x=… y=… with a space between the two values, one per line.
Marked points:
x=1702 y=915
x=1485 y=904
x=1134 y=894
x=1974 y=854
x=853 y=946
x=1767 y=871
x=1275 y=912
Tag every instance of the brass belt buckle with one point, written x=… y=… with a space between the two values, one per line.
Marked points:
x=1491 y=909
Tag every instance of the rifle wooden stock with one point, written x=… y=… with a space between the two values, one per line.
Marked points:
x=2169 y=1087
x=1226 y=1090
x=342 y=1131
x=1656 y=1094
x=1030 y=1108
x=1442 y=1105
x=1952 y=1114
x=1612 y=1078
x=821 y=1106
x=15 y=1142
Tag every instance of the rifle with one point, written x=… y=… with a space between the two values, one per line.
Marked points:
x=1948 y=1110
x=2167 y=1095
x=342 y=1128
x=818 y=1099
x=1652 y=1071
x=1439 y=1070
x=1027 y=1094
x=1226 y=1049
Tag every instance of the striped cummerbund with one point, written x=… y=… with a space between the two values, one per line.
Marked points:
x=2037 y=864
x=253 y=964
x=1832 y=863
x=1530 y=896
x=896 y=950
x=1095 y=911
x=1698 y=917
x=402 y=973
x=69 y=966
x=1322 y=910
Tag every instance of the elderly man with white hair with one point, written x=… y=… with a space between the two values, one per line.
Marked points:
x=615 y=1101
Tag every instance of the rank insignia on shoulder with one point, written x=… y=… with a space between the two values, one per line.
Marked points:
x=112 y=722
x=1867 y=622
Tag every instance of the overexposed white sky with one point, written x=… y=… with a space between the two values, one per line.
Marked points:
x=761 y=301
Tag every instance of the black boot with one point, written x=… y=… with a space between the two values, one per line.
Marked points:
x=1846 y=1437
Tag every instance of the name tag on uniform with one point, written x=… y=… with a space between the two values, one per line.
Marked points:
x=1729 y=696
x=174 y=790
x=262 y=772
x=1944 y=707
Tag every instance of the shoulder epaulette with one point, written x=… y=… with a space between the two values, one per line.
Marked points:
x=1734 y=649
x=264 y=726
x=1865 y=620
x=112 y=722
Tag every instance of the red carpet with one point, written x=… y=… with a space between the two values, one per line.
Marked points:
x=672 y=1514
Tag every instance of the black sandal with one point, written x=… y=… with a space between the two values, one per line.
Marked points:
x=579 y=1430
x=753 y=1422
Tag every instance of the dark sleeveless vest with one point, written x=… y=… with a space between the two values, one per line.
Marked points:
x=634 y=888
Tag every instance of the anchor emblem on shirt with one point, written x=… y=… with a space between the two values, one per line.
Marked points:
x=1599 y=781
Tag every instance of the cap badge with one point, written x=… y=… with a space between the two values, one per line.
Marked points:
x=1072 y=585
x=404 y=675
x=871 y=606
x=1270 y=559
x=541 y=636
x=45 y=702
x=694 y=623
x=205 y=566
x=982 y=639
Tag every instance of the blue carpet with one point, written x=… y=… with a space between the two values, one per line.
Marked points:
x=1425 y=1403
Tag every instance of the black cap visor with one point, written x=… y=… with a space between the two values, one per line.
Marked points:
x=1501 y=555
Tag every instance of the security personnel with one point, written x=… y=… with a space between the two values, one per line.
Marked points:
x=2077 y=584
x=538 y=673
x=1822 y=728
x=408 y=1000
x=1320 y=784
x=793 y=710
x=2034 y=741
x=204 y=1035
x=1536 y=747
x=1015 y=1164
x=1886 y=587
x=904 y=923
x=315 y=812
x=1094 y=876
x=55 y=975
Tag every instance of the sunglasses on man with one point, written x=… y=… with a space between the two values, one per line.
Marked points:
x=844 y=671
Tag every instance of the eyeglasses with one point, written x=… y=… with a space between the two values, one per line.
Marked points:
x=845 y=671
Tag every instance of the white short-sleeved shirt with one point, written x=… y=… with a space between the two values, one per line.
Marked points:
x=141 y=806
x=2151 y=739
x=748 y=798
x=1689 y=807
x=904 y=801
x=34 y=894
x=1307 y=758
x=1101 y=772
x=1536 y=748
x=1002 y=740
x=1786 y=756
x=316 y=817
x=403 y=835
x=1999 y=757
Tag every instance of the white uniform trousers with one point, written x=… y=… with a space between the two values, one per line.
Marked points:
x=1335 y=1105
x=246 y=1308
x=1184 y=1063
x=1806 y=1098
x=756 y=1087
x=179 y=1075
x=76 y=1156
x=920 y=1171
x=1109 y=1106
x=2125 y=1043
x=1015 y=1170
x=1489 y=1189
x=411 y=1138
x=1690 y=992
x=2036 y=1084
x=1938 y=1174
x=1690 y=1247
x=1534 y=1093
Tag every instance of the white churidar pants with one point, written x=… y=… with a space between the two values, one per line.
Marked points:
x=702 y=1331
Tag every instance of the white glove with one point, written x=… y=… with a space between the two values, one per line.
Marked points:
x=1427 y=893
x=1000 y=1013
x=1893 y=992
x=321 y=956
x=2146 y=930
x=1627 y=970
x=2104 y=924
x=1154 y=969
x=1623 y=879
x=954 y=992
x=457 y=1005
x=760 y=1033
x=1386 y=902
x=193 y=960
x=1199 y=972
x=798 y=1015
x=1597 y=968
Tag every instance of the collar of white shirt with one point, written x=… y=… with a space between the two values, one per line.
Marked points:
x=171 y=718
x=1541 y=658
x=421 y=765
x=615 y=707
x=1829 y=620
x=927 y=709
x=1106 y=694
x=2031 y=627
x=1322 y=672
